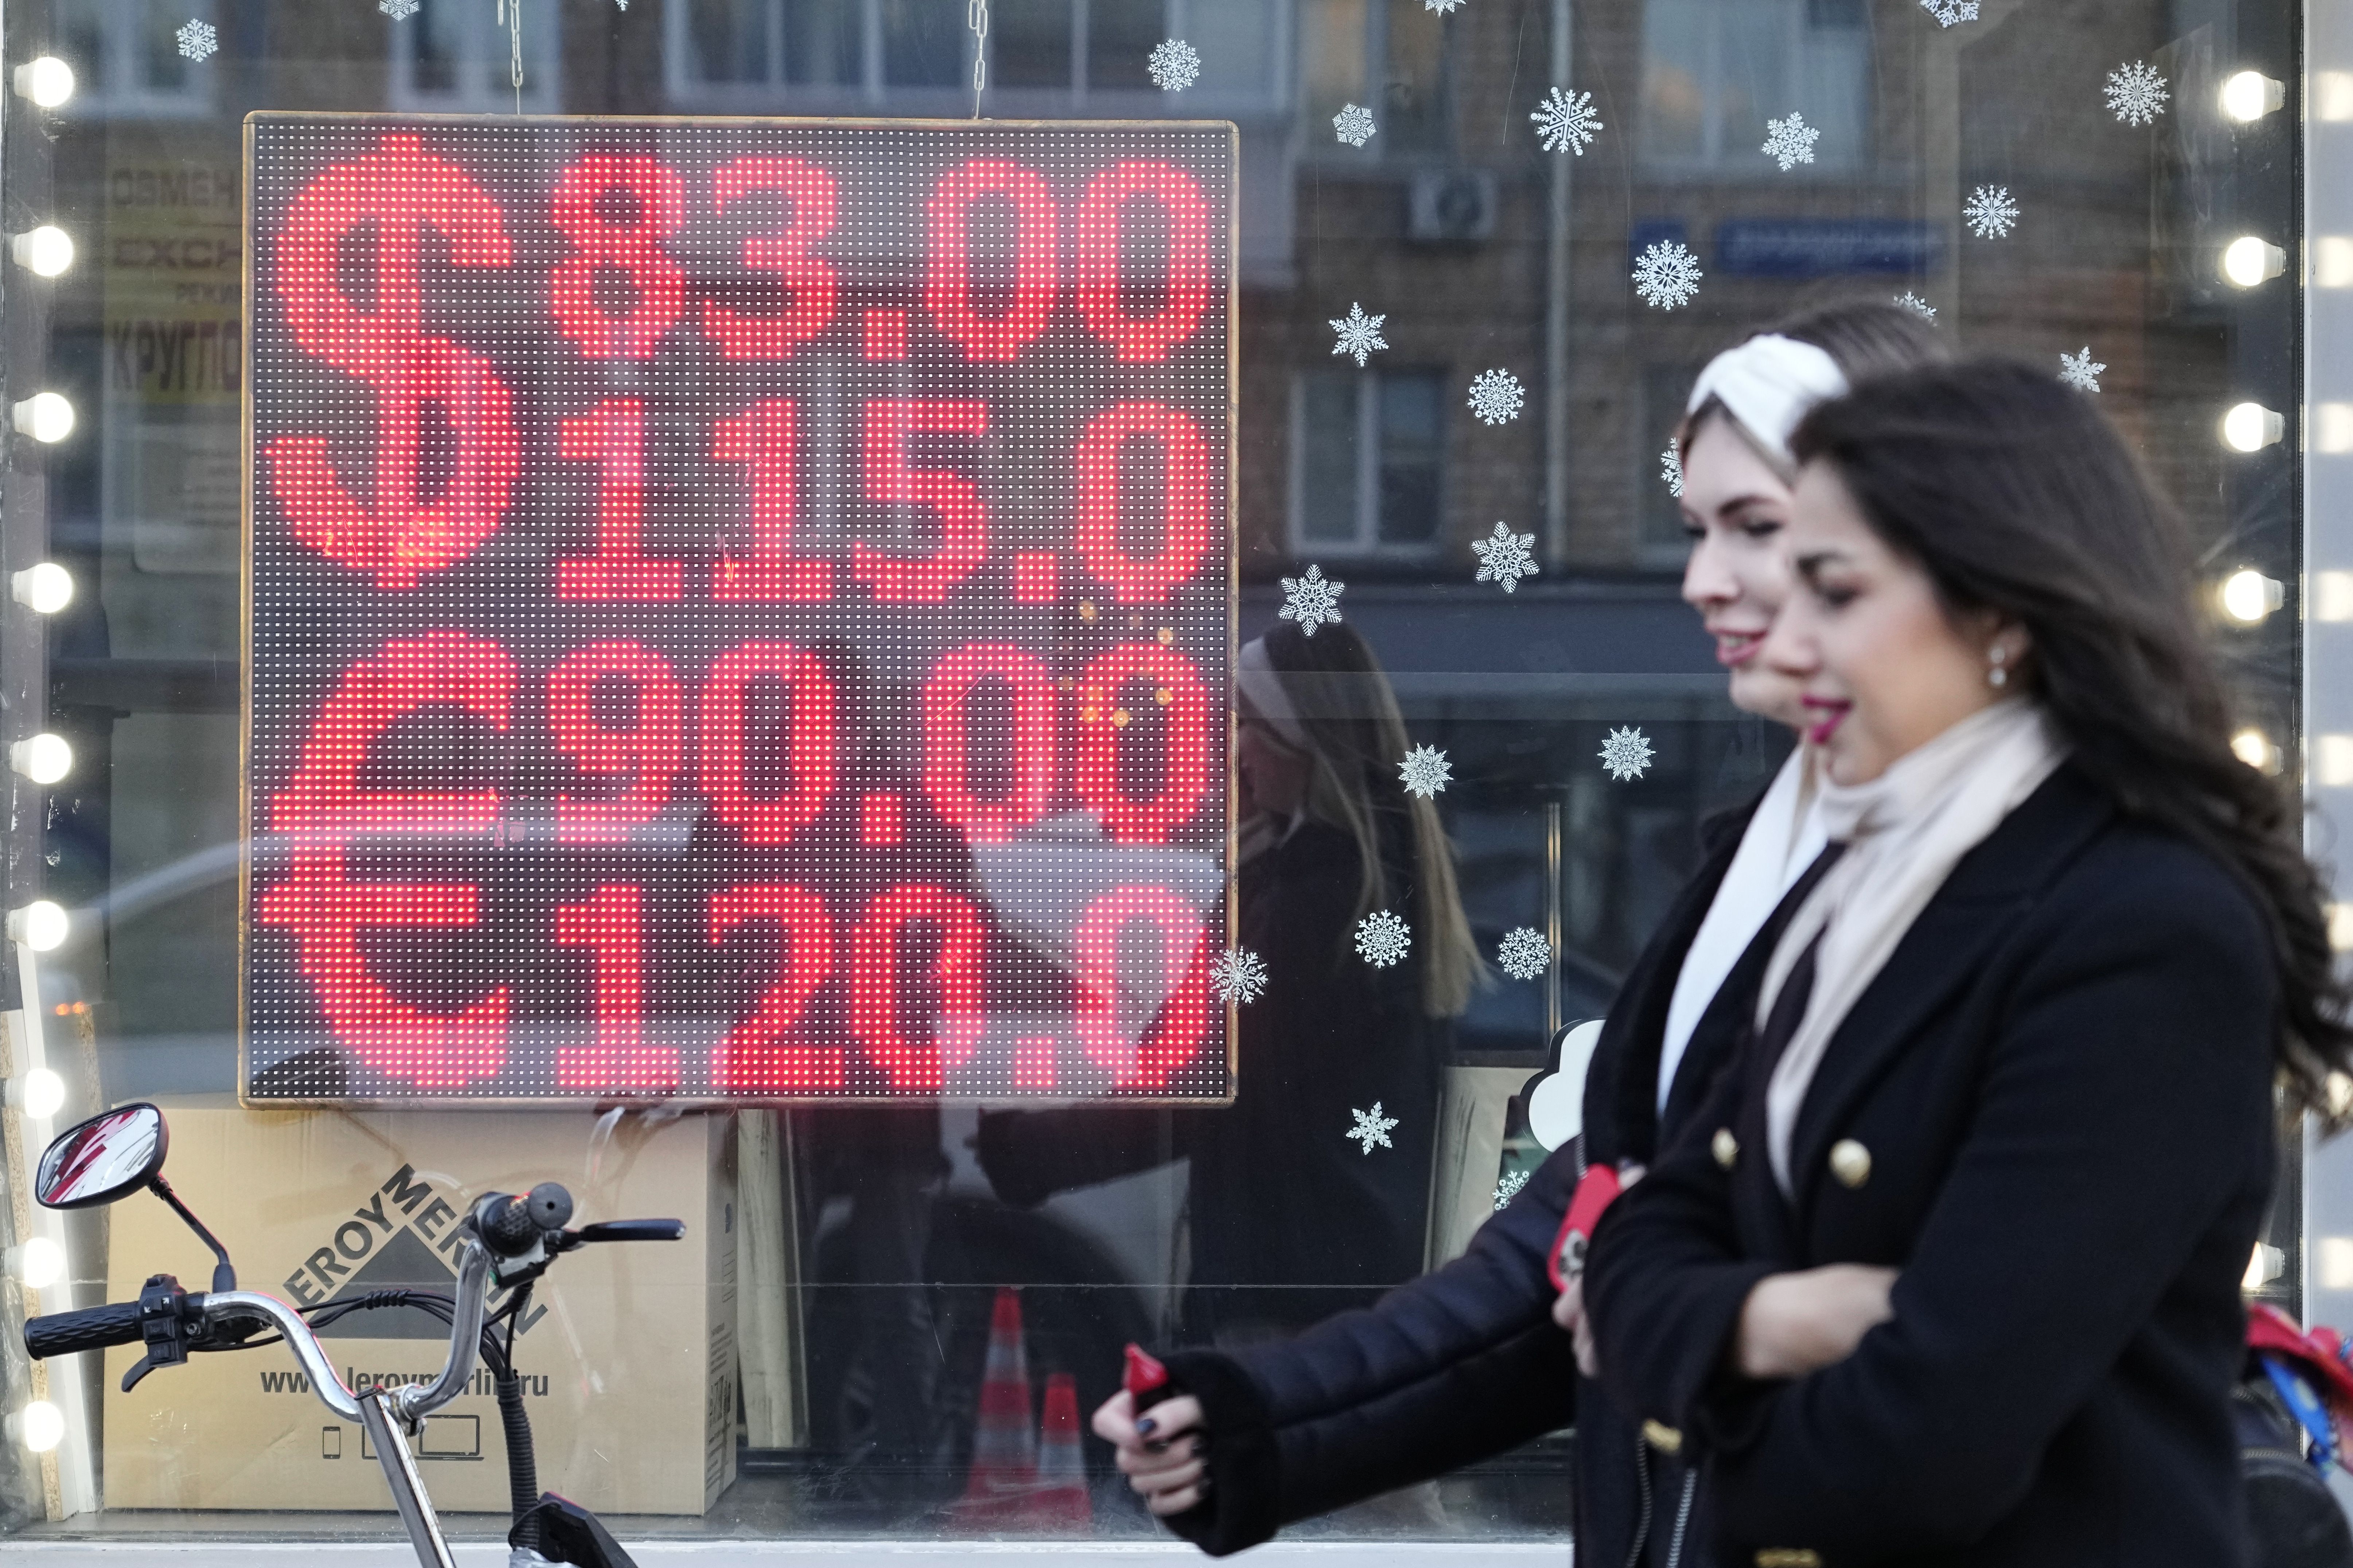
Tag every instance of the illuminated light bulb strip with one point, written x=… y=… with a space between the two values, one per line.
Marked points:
x=43 y=589
x=2247 y=96
x=2250 y=428
x=47 y=251
x=2248 y=596
x=48 y=81
x=44 y=758
x=46 y=417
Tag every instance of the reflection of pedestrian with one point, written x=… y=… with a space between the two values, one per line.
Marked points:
x=1289 y=1220
x=1947 y=1267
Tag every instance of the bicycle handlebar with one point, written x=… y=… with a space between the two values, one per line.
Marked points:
x=89 y=1329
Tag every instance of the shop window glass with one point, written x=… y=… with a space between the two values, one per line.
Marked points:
x=891 y=1316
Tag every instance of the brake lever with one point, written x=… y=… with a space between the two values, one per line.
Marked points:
x=626 y=1230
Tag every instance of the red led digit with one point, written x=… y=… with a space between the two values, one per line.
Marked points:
x=762 y=437
x=1144 y=1052
x=323 y=808
x=759 y=1055
x=879 y=952
x=1186 y=279
x=809 y=191
x=947 y=292
x=808 y=741
x=579 y=208
x=611 y=926
x=1115 y=693
x=1184 y=499
x=1034 y=1061
x=948 y=741
x=644 y=757
x=399 y=190
x=891 y=480
x=612 y=437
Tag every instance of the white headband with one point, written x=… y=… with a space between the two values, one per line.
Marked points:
x=1769 y=383
x=1255 y=674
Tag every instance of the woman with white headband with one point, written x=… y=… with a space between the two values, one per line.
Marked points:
x=1470 y=1361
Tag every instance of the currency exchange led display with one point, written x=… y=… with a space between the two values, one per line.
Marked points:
x=737 y=609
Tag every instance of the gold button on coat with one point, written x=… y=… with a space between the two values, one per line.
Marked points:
x=1788 y=1557
x=1725 y=1147
x=1662 y=1437
x=1850 y=1163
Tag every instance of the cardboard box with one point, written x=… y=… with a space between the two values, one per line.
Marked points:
x=629 y=1356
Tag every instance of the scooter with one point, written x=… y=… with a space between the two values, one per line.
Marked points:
x=506 y=1244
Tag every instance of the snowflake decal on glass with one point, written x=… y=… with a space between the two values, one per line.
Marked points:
x=1524 y=954
x=1949 y=13
x=1382 y=938
x=1917 y=305
x=1359 y=334
x=1505 y=557
x=1441 y=6
x=1496 y=397
x=1424 y=771
x=1790 y=142
x=1372 y=1128
x=1508 y=1187
x=1173 y=65
x=1626 y=754
x=1354 y=124
x=1565 y=122
x=1668 y=275
x=1990 y=212
x=197 y=39
x=1670 y=470
x=2081 y=370
x=400 y=10
x=1238 y=975
x=2136 y=93
x=1311 y=599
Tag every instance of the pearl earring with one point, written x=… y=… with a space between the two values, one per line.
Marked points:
x=1997 y=657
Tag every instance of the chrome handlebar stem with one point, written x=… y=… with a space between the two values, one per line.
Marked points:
x=415 y=1402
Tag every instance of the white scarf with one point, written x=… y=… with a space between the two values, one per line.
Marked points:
x=1904 y=832
x=1769 y=382
x=1782 y=839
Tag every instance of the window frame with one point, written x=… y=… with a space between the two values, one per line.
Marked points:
x=1367 y=543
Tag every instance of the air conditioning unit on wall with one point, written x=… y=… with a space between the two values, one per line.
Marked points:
x=1451 y=207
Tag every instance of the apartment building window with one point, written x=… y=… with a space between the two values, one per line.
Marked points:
x=1367 y=460
x=128 y=58
x=1390 y=57
x=1713 y=72
x=455 y=55
x=1058 y=51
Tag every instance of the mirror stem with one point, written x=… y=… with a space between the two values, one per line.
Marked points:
x=224 y=1273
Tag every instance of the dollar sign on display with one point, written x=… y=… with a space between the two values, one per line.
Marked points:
x=399 y=190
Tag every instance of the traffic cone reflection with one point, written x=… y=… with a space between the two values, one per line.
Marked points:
x=1004 y=1444
x=1061 y=1504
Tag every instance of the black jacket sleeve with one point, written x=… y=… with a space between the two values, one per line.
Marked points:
x=1453 y=1367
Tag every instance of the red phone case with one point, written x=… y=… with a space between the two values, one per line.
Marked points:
x=1597 y=1189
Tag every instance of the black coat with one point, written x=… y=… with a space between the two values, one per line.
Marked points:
x=2063 y=1081
x=1465 y=1363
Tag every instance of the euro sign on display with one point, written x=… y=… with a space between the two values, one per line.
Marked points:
x=737 y=610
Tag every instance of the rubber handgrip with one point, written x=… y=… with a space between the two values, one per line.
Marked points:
x=92 y=1329
x=508 y=1229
